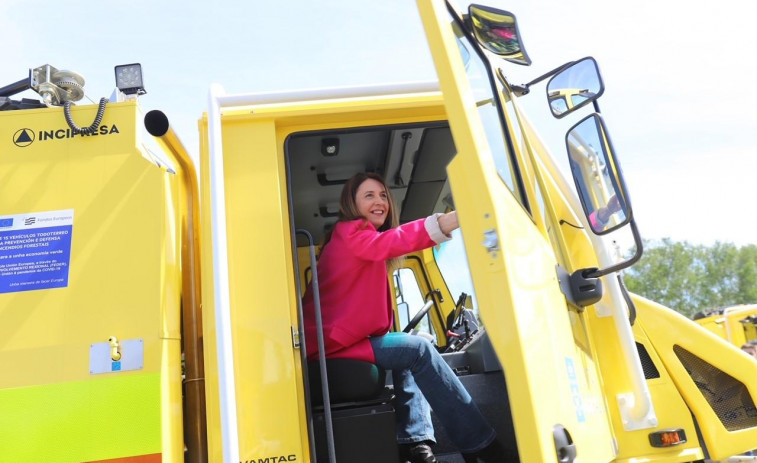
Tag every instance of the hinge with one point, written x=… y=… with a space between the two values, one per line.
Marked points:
x=491 y=240
x=295 y=338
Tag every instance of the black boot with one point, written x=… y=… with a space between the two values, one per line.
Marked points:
x=492 y=453
x=419 y=452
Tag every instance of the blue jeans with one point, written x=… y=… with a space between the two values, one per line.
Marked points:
x=422 y=379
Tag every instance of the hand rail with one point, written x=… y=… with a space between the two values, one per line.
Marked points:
x=321 y=349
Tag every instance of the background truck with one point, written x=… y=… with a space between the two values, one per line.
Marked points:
x=150 y=317
x=736 y=324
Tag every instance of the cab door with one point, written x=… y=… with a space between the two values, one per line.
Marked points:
x=555 y=394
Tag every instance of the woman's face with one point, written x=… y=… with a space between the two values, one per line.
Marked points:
x=372 y=202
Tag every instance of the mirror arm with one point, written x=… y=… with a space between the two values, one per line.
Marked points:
x=635 y=258
x=596 y=106
x=543 y=77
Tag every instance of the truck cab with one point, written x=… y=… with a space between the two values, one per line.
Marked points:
x=178 y=331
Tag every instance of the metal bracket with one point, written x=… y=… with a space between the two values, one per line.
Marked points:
x=116 y=356
x=625 y=405
x=491 y=240
x=295 y=338
x=578 y=288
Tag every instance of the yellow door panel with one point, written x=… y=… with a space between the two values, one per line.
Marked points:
x=552 y=381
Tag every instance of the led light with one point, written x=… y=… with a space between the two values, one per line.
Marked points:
x=329 y=146
x=129 y=79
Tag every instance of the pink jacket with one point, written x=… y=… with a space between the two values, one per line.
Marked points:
x=353 y=284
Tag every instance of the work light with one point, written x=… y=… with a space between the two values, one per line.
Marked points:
x=129 y=79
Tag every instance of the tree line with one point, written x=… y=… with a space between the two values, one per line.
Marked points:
x=691 y=278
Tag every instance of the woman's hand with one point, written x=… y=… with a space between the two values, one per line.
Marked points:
x=448 y=222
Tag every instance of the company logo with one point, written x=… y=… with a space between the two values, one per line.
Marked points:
x=30 y=221
x=5 y=223
x=23 y=138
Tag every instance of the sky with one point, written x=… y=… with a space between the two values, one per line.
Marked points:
x=679 y=101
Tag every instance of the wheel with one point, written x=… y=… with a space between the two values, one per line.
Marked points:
x=418 y=316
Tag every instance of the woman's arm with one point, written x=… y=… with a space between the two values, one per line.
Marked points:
x=362 y=239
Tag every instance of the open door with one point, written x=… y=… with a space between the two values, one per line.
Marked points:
x=555 y=392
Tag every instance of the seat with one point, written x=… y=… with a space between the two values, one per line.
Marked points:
x=362 y=413
x=351 y=382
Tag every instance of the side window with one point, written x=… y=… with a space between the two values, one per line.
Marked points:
x=452 y=261
x=512 y=120
x=484 y=91
x=409 y=300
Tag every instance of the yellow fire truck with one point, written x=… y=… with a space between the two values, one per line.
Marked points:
x=736 y=324
x=151 y=311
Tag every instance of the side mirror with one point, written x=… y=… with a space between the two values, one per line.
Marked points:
x=403 y=308
x=497 y=31
x=575 y=86
x=600 y=186
x=597 y=175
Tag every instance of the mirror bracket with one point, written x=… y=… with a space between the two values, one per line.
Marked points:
x=580 y=288
x=520 y=90
x=586 y=289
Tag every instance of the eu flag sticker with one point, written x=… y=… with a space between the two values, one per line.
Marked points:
x=5 y=223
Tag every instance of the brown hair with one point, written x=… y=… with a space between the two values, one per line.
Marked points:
x=348 y=208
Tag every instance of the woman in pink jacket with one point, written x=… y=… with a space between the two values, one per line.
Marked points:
x=357 y=318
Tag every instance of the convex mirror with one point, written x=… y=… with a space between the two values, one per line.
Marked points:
x=575 y=86
x=597 y=175
x=497 y=31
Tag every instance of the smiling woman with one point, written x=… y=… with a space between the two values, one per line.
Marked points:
x=353 y=300
x=372 y=202
x=370 y=199
x=353 y=266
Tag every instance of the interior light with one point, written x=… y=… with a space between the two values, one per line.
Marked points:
x=330 y=146
x=129 y=79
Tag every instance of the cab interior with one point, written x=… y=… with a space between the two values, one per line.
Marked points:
x=412 y=158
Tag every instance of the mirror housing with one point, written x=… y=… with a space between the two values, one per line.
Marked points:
x=597 y=175
x=497 y=31
x=573 y=87
x=600 y=185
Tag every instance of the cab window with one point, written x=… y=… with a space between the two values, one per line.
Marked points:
x=484 y=88
x=452 y=262
x=409 y=300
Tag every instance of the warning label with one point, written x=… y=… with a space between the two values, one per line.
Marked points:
x=35 y=250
